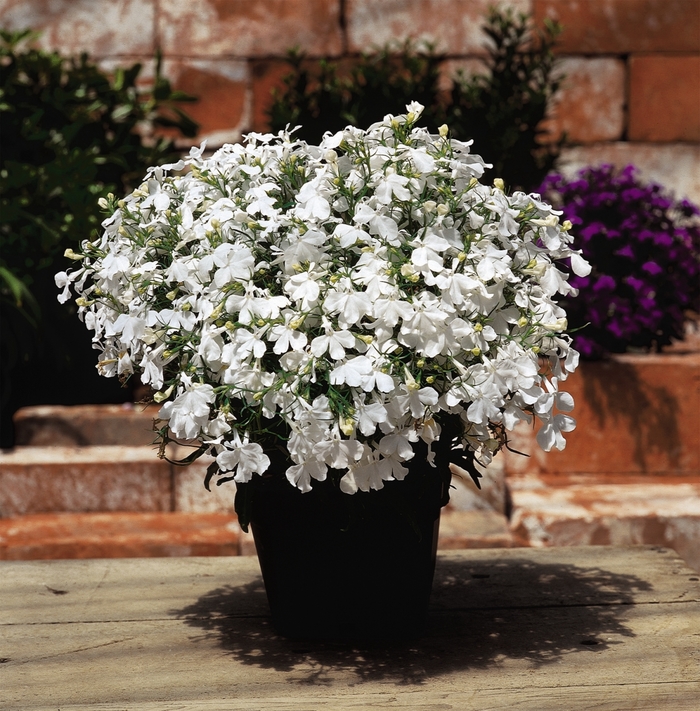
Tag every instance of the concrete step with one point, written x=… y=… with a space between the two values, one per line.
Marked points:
x=570 y=510
x=150 y=535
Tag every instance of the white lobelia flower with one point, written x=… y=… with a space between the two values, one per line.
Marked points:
x=339 y=302
x=189 y=412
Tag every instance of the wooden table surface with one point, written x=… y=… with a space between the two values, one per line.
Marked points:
x=542 y=629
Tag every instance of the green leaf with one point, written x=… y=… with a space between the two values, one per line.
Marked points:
x=21 y=295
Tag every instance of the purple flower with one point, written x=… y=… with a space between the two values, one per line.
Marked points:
x=644 y=248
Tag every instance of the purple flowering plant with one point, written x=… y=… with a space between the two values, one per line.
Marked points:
x=644 y=249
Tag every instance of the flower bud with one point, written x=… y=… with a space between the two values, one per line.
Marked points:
x=347 y=426
x=163 y=394
x=70 y=254
x=442 y=209
x=561 y=324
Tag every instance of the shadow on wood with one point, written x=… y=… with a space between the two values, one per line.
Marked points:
x=482 y=615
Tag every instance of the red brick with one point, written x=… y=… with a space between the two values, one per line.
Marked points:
x=623 y=26
x=589 y=105
x=240 y=28
x=635 y=414
x=664 y=100
x=267 y=76
x=454 y=26
x=673 y=165
x=222 y=90
x=117 y=535
x=83 y=479
x=100 y=27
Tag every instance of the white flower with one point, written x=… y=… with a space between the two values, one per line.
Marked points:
x=335 y=342
x=341 y=301
x=189 y=412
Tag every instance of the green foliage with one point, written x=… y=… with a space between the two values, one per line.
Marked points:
x=328 y=99
x=500 y=110
x=70 y=135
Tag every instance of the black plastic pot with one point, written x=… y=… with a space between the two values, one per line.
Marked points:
x=349 y=567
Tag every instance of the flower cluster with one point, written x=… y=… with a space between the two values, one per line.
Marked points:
x=338 y=301
x=645 y=251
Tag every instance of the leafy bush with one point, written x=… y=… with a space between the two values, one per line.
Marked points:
x=381 y=83
x=644 y=248
x=503 y=109
x=70 y=136
x=500 y=110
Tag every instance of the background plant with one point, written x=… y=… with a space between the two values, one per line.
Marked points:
x=644 y=248
x=500 y=110
x=325 y=98
x=70 y=135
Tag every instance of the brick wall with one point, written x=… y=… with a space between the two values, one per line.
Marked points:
x=632 y=92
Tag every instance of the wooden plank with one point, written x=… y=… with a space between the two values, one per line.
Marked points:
x=195 y=658
x=592 y=628
x=149 y=588
x=627 y=697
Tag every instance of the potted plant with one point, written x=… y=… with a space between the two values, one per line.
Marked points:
x=334 y=324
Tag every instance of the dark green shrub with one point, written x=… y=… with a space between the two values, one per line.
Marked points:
x=501 y=110
x=324 y=98
x=70 y=135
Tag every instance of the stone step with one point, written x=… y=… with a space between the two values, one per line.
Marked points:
x=150 y=535
x=119 y=535
x=479 y=528
x=635 y=414
x=571 y=510
x=103 y=478
x=84 y=425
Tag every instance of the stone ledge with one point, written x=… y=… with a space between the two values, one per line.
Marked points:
x=460 y=530
x=83 y=479
x=607 y=510
x=635 y=415
x=118 y=535
x=85 y=425
x=153 y=535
